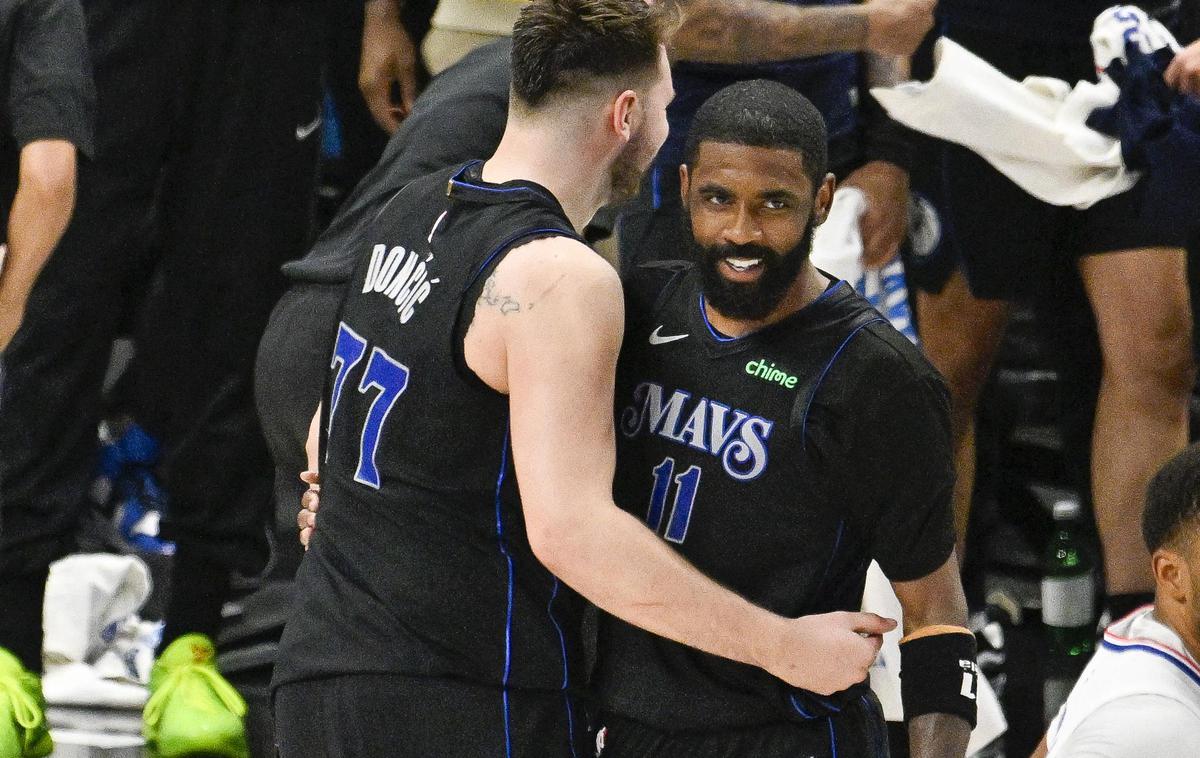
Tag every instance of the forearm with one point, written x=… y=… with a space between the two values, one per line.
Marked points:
x=613 y=560
x=938 y=735
x=383 y=9
x=39 y=215
x=934 y=601
x=756 y=31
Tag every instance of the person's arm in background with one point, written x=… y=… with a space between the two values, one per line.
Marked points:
x=756 y=31
x=883 y=179
x=1183 y=73
x=388 y=55
x=50 y=104
x=934 y=601
x=40 y=212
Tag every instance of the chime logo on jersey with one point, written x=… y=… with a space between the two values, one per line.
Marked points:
x=401 y=276
x=737 y=438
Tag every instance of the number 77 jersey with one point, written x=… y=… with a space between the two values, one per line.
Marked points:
x=420 y=564
x=779 y=463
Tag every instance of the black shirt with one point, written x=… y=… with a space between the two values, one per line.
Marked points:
x=421 y=565
x=459 y=117
x=46 y=83
x=1057 y=21
x=779 y=464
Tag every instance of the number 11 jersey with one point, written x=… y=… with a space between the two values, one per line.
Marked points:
x=779 y=464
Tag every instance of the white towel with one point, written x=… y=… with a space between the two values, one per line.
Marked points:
x=85 y=594
x=837 y=249
x=837 y=244
x=1032 y=131
x=1120 y=24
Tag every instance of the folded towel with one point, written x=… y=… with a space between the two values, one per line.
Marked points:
x=1031 y=131
x=1036 y=132
x=838 y=248
x=85 y=595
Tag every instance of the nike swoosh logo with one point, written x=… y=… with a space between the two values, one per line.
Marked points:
x=657 y=339
x=303 y=130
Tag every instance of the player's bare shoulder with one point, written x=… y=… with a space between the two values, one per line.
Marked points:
x=548 y=291
x=551 y=273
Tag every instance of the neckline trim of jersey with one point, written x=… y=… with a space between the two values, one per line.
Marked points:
x=1184 y=662
x=834 y=286
x=465 y=185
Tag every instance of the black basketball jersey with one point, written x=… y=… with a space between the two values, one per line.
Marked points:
x=421 y=564
x=779 y=464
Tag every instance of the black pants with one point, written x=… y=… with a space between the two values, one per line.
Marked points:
x=200 y=189
x=407 y=717
x=858 y=730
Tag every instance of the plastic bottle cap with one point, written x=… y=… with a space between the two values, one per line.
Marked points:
x=1066 y=510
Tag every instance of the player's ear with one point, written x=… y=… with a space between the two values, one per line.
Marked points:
x=1171 y=574
x=824 y=199
x=684 y=183
x=624 y=111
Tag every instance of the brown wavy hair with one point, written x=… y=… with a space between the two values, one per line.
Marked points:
x=562 y=46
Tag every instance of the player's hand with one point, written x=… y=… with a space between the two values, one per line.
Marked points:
x=885 y=222
x=388 y=55
x=310 y=501
x=1183 y=73
x=896 y=27
x=829 y=652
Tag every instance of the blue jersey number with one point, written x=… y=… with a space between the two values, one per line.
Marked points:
x=685 y=497
x=383 y=373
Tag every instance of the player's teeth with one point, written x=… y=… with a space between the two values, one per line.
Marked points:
x=741 y=264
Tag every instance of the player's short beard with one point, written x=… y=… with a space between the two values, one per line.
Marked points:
x=625 y=175
x=750 y=301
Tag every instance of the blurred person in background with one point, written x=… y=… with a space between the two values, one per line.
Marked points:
x=1005 y=246
x=1140 y=694
x=207 y=125
x=46 y=112
x=47 y=105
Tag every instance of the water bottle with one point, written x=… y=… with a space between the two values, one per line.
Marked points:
x=1068 y=586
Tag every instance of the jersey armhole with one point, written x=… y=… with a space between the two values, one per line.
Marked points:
x=474 y=288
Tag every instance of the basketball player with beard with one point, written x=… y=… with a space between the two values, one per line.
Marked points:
x=780 y=435
x=476 y=349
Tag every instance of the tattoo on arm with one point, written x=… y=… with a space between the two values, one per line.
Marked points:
x=505 y=303
x=755 y=31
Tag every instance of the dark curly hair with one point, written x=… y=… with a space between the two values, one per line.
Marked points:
x=1172 y=500
x=762 y=113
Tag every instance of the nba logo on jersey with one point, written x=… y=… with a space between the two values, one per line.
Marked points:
x=401 y=276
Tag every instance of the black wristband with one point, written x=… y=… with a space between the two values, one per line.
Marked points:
x=938 y=675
